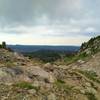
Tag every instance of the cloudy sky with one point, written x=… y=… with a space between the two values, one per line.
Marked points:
x=49 y=22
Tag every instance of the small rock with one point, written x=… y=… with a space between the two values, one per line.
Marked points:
x=82 y=91
x=52 y=97
x=51 y=79
x=88 y=84
x=47 y=65
x=32 y=91
x=91 y=90
x=36 y=83
x=80 y=61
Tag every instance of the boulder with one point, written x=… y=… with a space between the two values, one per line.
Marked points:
x=40 y=73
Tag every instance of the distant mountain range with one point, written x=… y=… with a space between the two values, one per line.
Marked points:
x=34 y=48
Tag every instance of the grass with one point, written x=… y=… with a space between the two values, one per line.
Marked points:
x=26 y=85
x=91 y=75
x=60 y=81
x=75 y=58
x=61 y=85
x=90 y=96
x=9 y=64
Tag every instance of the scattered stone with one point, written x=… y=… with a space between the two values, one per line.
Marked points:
x=52 y=97
x=36 y=83
x=81 y=61
x=82 y=91
x=88 y=84
x=51 y=78
x=91 y=90
x=32 y=91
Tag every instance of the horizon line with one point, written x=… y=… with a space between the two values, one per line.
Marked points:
x=40 y=45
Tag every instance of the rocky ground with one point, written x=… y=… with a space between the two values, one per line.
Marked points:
x=22 y=79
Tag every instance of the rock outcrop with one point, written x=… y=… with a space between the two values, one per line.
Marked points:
x=92 y=46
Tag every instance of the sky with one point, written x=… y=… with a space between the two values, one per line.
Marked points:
x=49 y=22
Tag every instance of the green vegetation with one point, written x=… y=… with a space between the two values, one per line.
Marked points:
x=86 y=51
x=60 y=81
x=9 y=64
x=3 y=45
x=90 y=96
x=45 y=55
x=61 y=85
x=71 y=59
x=51 y=56
x=26 y=85
x=93 y=45
x=91 y=75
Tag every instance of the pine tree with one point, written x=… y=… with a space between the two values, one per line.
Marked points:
x=3 y=44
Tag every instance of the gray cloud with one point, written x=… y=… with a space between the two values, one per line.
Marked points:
x=79 y=14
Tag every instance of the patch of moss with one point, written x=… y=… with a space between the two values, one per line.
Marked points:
x=90 y=96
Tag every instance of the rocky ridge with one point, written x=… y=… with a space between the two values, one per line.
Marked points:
x=21 y=79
